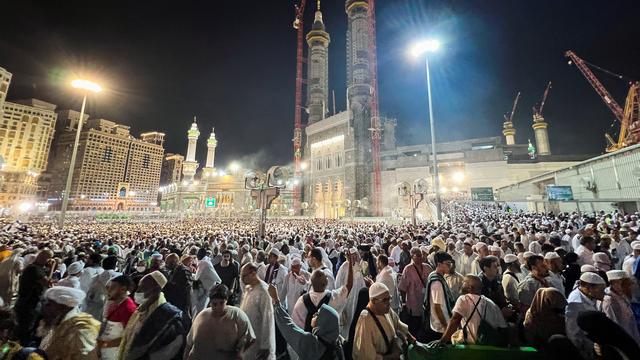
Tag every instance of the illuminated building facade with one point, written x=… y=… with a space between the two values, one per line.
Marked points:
x=26 y=131
x=114 y=171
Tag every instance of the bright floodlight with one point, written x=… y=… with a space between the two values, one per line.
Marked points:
x=458 y=177
x=234 y=166
x=86 y=85
x=425 y=46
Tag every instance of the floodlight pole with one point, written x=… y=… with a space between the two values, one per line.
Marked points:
x=72 y=164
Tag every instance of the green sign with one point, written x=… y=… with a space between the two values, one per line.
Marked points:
x=482 y=194
x=210 y=202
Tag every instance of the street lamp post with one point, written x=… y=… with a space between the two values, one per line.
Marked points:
x=418 y=50
x=87 y=86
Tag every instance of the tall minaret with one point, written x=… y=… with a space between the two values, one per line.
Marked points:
x=212 y=143
x=359 y=163
x=190 y=165
x=318 y=73
x=542 y=136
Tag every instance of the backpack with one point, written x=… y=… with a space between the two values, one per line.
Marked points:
x=312 y=309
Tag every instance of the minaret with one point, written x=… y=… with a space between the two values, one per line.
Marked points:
x=542 y=136
x=359 y=163
x=212 y=143
x=190 y=165
x=509 y=132
x=318 y=72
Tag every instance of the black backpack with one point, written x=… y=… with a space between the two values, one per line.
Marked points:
x=312 y=309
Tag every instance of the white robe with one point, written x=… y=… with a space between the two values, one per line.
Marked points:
x=293 y=289
x=358 y=283
x=256 y=303
x=86 y=278
x=208 y=278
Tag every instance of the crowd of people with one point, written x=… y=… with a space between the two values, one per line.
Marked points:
x=322 y=289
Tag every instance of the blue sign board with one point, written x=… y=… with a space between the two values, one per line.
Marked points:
x=559 y=193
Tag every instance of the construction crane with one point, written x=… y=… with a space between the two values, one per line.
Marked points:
x=629 y=117
x=376 y=130
x=298 y=25
x=509 y=117
x=538 y=110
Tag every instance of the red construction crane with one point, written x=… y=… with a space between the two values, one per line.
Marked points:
x=513 y=109
x=298 y=24
x=376 y=131
x=629 y=117
x=538 y=110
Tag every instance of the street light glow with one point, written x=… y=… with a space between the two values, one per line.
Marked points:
x=86 y=85
x=458 y=177
x=234 y=167
x=425 y=46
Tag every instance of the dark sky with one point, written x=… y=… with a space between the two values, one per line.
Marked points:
x=232 y=64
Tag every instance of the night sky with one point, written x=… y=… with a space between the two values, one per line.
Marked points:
x=232 y=64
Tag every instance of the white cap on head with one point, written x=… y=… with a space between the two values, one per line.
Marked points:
x=66 y=296
x=75 y=267
x=274 y=251
x=377 y=289
x=480 y=245
x=601 y=257
x=617 y=275
x=509 y=258
x=592 y=278
x=353 y=250
x=528 y=254
x=588 y=268
x=494 y=248
x=159 y=278
x=296 y=261
x=635 y=245
x=551 y=255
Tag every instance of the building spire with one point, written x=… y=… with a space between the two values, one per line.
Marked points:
x=318 y=5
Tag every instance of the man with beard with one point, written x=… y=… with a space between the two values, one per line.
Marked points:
x=229 y=272
x=156 y=329
x=119 y=308
x=72 y=334
x=178 y=288
x=534 y=281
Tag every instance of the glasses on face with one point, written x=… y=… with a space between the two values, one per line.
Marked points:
x=385 y=300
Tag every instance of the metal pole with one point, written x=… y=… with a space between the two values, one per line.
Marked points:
x=72 y=165
x=433 y=145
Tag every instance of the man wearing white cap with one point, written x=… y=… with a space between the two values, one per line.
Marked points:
x=157 y=329
x=584 y=298
x=616 y=302
x=377 y=328
x=296 y=283
x=73 y=275
x=510 y=278
x=73 y=333
x=627 y=265
x=275 y=272
x=555 y=265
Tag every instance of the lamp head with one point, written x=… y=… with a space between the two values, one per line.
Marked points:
x=86 y=85
x=425 y=46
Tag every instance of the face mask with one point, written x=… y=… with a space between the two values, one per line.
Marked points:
x=139 y=298
x=140 y=269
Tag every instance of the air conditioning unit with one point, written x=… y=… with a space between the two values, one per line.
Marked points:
x=589 y=184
